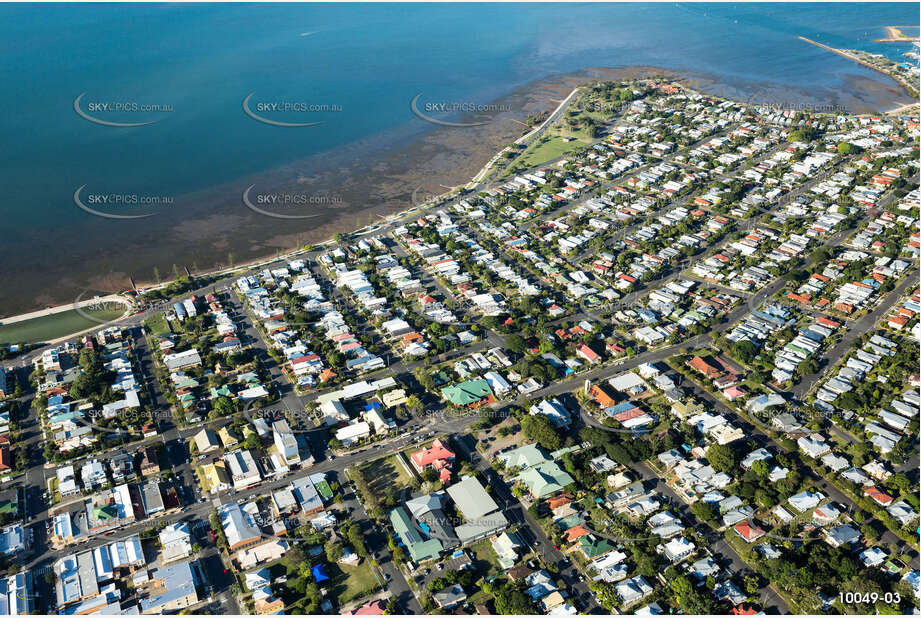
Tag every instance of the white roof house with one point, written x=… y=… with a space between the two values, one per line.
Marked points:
x=239 y=526
x=175 y=541
x=353 y=433
x=181 y=360
x=334 y=412
x=873 y=556
x=481 y=514
x=678 y=549
x=471 y=498
x=242 y=468
x=632 y=590
x=554 y=410
x=805 y=500
x=627 y=382
x=497 y=383
x=814 y=445
x=67 y=481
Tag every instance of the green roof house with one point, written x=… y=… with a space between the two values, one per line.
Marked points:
x=593 y=546
x=419 y=548
x=467 y=393
x=223 y=391
x=545 y=479
x=187 y=382
x=525 y=456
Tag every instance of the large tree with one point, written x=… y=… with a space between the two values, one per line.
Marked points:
x=723 y=458
x=510 y=600
x=540 y=428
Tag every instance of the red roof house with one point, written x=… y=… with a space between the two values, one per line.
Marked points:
x=875 y=494
x=371 y=608
x=438 y=457
x=749 y=531
x=704 y=367
x=588 y=354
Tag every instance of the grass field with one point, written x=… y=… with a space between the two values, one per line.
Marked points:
x=53 y=326
x=350 y=583
x=346 y=583
x=386 y=476
x=485 y=558
x=555 y=146
x=158 y=325
x=53 y=490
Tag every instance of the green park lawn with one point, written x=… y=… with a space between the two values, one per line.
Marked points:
x=54 y=326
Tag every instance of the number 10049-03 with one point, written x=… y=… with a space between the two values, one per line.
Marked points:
x=850 y=598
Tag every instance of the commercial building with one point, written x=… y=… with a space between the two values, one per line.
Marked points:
x=169 y=589
x=285 y=442
x=482 y=516
x=242 y=469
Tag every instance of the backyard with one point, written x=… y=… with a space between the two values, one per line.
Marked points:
x=346 y=583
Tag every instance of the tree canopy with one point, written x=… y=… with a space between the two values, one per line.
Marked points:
x=540 y=428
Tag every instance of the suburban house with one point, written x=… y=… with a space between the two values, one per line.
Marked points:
x=437 y=457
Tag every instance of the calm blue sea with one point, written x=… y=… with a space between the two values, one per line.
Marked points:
x=368 y=59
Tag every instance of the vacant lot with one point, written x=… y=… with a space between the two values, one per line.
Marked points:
x=158 y=325
x=350 y=582
x=386 y=476
x=485 y=559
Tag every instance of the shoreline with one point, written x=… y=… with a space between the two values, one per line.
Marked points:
x=502 y=137
x=377 y=180
x=117 y=296
x=844 y=53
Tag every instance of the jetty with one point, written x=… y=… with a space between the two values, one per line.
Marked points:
x=841 y=52
x=846 y=53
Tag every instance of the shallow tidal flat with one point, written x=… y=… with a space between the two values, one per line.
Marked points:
x=361 y=181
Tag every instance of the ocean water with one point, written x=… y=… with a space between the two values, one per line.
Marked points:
x=364 y=62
